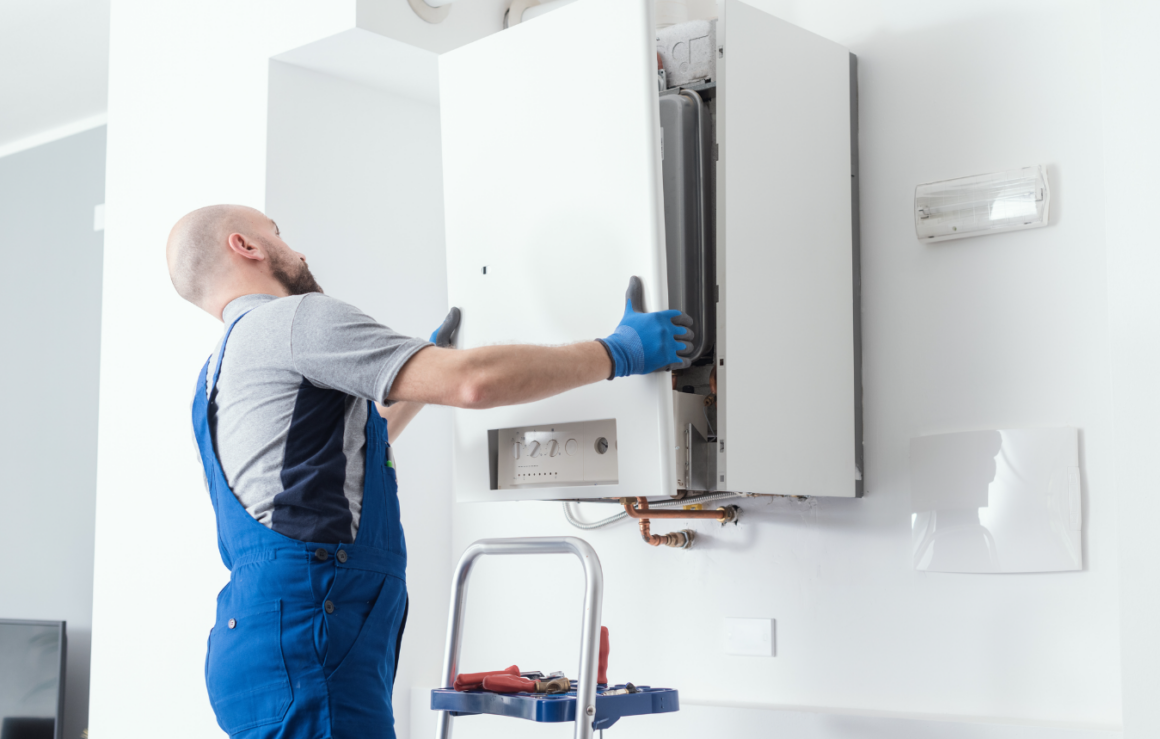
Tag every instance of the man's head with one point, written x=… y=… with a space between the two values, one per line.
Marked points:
x=222 y=252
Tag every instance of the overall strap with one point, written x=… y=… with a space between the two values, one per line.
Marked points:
x=217 y=371
x=203 y=412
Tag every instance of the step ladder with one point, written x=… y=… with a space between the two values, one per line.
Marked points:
x=590 y=711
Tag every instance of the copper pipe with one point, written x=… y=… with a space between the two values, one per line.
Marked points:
x=677 y=539
x=723 y=515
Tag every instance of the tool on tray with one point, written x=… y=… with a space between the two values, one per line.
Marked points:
x=517 y=684
x=511 y=680
x=628 y=689
x=474 y=680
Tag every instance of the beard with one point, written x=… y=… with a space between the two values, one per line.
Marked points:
x=294 y=275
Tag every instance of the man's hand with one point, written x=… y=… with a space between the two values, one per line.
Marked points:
x=493 y=376
x=445 y=335
x=646 y=342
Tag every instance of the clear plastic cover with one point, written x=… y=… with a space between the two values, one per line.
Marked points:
x=982 y=204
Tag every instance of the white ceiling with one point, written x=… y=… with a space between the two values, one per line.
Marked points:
x=54 y=66
x=54 y=57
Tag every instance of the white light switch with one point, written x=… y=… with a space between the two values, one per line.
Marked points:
x=750 y=637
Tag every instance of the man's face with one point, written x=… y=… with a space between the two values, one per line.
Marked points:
x=287 y=266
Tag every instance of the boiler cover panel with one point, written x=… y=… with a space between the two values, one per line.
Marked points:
x=553 y=201
x=787 y=371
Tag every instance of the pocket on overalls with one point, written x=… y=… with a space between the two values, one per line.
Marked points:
x=245 y=672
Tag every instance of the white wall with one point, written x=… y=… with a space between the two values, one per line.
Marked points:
x=1132 y=106
x=1002 y=331
x=354 y=180
x=48 y=444
x=187 y=127
x=188 y=99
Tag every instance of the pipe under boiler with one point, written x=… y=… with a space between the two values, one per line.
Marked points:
x=724 y=515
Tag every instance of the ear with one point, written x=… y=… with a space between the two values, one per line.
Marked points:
x=245 y=248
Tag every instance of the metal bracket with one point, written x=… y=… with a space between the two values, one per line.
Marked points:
x=700 y=463
x=589 y=632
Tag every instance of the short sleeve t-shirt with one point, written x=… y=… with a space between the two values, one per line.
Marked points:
x=290 y=414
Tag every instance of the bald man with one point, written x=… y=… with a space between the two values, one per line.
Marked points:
x=294 y=425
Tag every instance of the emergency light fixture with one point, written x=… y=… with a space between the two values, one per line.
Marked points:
x=982 y=204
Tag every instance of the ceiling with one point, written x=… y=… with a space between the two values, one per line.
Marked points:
x=54 y=66
x=54 y=57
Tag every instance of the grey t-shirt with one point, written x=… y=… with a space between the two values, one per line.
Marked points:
x=290 y=411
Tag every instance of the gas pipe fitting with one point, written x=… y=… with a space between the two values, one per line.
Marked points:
x=678 y=539
x=682 y=539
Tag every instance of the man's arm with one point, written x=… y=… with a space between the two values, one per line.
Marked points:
x=492 y=376
x=400 y=415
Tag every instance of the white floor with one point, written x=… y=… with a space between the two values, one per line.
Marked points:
x=730 y=721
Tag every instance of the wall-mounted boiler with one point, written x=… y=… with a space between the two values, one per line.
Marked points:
x=732 y=192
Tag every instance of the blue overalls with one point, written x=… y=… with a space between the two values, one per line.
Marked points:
x=307 y=635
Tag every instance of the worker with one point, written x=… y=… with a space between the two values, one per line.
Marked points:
x=294 y=424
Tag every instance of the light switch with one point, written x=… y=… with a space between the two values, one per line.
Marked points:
x=750 y=637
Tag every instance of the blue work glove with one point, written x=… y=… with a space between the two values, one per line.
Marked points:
x=445 y=334
x=647 y=342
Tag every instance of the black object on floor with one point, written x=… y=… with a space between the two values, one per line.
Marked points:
x=28 y=728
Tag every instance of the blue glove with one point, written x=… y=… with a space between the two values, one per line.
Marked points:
x=647 y=342
x=445 y=334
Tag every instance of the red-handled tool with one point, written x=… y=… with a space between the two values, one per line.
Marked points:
x=517 y=684
x=474 y=680
x=602 y=671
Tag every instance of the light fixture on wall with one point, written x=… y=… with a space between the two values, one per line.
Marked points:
x=432 y=11
x=982 y=204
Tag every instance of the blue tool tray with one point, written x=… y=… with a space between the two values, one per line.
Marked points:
x=554 y=708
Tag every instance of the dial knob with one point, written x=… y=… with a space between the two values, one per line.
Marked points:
x=534 y=449
x=516 y=450
x=571 y=447
x=553 y=448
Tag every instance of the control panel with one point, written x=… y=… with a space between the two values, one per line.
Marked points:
x=583 y=453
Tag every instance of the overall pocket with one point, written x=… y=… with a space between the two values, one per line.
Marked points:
x=245 y=672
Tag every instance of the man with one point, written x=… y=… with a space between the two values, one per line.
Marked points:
x=292 y=425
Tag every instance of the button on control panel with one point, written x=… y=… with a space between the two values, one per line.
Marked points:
x=583 y=453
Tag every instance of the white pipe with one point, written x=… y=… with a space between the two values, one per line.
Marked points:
x=544 y=7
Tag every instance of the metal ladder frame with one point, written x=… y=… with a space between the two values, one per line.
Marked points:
x=589 y=631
